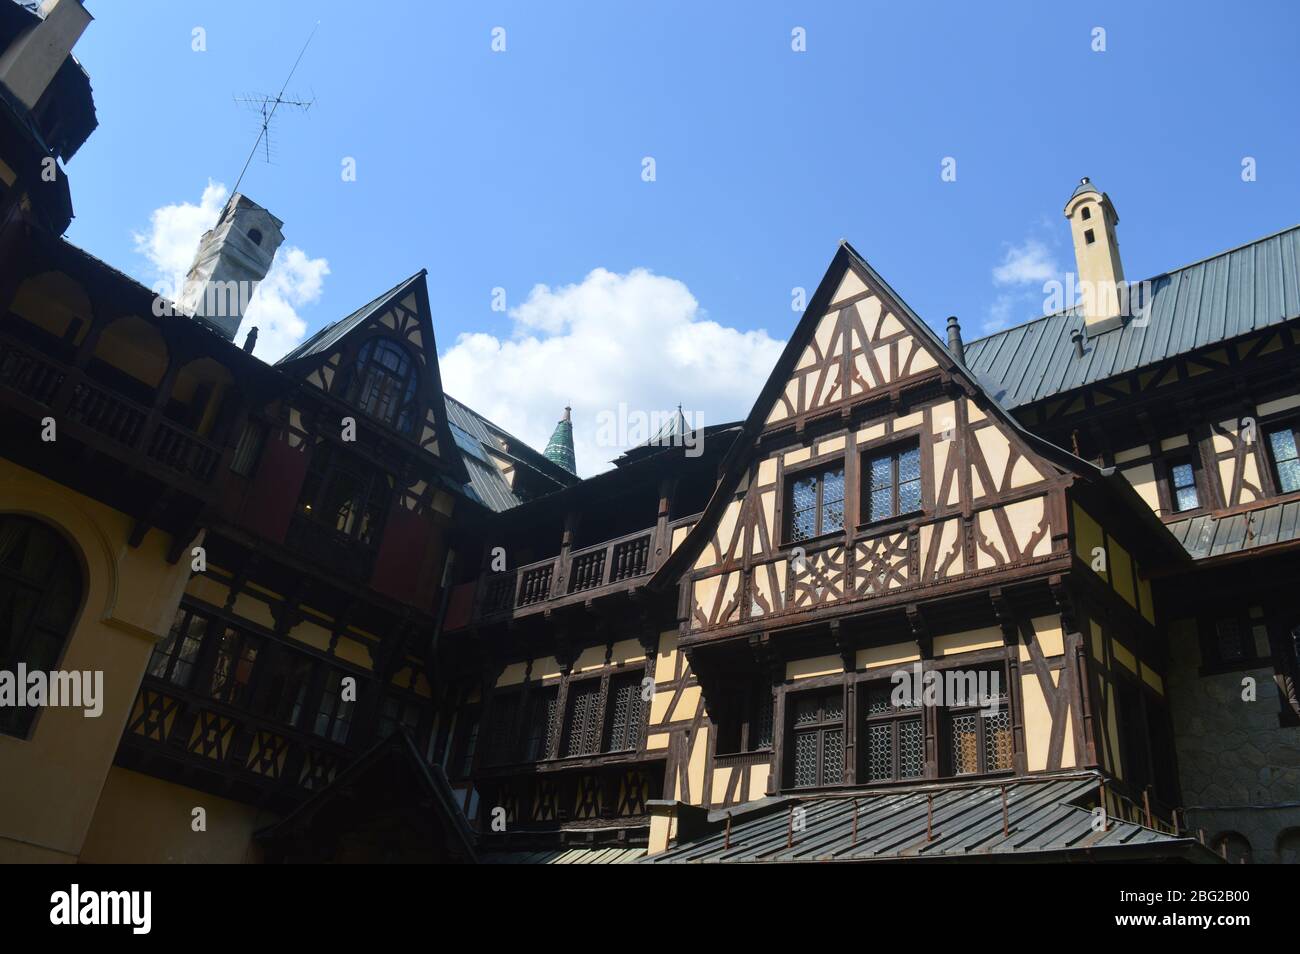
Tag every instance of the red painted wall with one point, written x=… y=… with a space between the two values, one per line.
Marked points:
x=275 y=488
x=402 y=558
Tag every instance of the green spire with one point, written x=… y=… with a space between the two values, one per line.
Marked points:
x=559 y=450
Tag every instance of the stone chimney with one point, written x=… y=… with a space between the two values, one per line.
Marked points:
x=28 y=66
x=1096 y=255
x=232 y=260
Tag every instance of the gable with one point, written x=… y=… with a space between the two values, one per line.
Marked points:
x=863 y=380
x=401 y=315
x=857 y=347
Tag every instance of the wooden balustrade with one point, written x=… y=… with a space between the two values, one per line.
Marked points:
x=587 y=570
x=107 y=413
x=30 y=374
x=535 y=584
x=630 y=558
x=614 y=561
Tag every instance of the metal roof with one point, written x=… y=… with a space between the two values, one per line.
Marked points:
x=1209 y=536
x=564 y=856
x=1044 y=816
x=486 y=482
x=1246 y=289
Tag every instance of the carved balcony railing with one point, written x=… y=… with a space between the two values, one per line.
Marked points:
x=589 y=569
x=41 y=379
x=629 y=558
x=182 y=451
x=535 y=584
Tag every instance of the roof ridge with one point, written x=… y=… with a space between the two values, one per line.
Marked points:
x=1073 y=310
x=301 y=348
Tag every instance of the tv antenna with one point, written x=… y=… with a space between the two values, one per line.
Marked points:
x=267 y=105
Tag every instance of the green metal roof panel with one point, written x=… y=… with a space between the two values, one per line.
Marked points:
x=1246 y=289
x=1205 y=536
x=1044 y=815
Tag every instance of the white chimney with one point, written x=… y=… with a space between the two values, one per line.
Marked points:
x=28 y=66
x=233 y=258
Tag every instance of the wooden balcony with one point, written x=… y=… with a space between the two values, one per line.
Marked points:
x=573 y=577
x=98 y=416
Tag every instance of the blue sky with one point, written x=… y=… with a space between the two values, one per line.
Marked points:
x=524 y=168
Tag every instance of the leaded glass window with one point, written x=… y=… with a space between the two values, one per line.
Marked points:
x=626 y=710
x=817 y=734
x=1182 y=486
x=978 y=737
x=894 y=736
x=344 y=492
x=385 y=384
x=582 y=727
x=892 y=483
x=539 y=732
x=1286 y=459
x=816 y=504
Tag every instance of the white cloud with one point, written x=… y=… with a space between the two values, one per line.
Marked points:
x=294 y=281
x=1030 y=262
x=637 y=339
x=1022 y=275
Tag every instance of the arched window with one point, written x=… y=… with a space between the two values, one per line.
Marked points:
x=385 y=382
x=40 y=592
x=255 y=236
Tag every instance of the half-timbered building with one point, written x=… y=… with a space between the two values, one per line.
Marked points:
x=1023 y=598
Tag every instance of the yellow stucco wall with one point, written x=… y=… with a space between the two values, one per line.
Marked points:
x=141 y=819
x=130 y=600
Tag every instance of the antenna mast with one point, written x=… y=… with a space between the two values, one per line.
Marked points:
x=269 y=105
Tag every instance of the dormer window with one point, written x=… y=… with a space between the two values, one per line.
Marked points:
x=385 y=384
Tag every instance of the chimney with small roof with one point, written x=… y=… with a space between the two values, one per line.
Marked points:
x=1096 y=255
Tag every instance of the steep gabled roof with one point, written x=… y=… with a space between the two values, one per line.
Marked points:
x=847 y=258
x=402 y=314
x=1233 y=293
x=335 y=332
